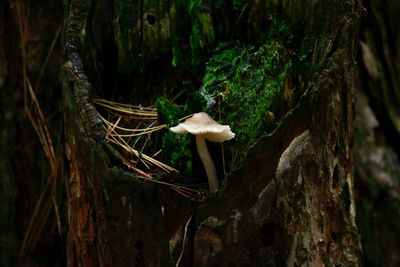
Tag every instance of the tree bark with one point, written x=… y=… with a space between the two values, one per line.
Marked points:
x=291 y=203
x=377 y=131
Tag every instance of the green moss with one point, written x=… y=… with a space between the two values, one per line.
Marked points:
x=280 y=30
x=168 y=112
x=244 y=84
x=176 y=150
x=202 y=33
x=247 y=87
x=175 y=147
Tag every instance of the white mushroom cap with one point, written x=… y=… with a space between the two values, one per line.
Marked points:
x=202 y=124
x=204 y=127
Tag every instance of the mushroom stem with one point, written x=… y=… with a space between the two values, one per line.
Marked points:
x=208 y=163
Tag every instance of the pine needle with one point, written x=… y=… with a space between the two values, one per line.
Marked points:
x=34 y=112
x=145 y=123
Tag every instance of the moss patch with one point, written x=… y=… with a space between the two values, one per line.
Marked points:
x=249 y=87
x=175 y=148
x=202 y=33
x=244 y=87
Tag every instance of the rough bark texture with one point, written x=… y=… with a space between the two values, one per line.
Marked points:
x=290 y=204
x=377 y=165
x=304 y=212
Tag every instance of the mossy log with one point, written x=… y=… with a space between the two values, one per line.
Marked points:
x=291 y=203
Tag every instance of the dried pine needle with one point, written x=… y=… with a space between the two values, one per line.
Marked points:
x=148 y=112
x=145 y=122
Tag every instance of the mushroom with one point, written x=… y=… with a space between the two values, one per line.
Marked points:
x=204 y=127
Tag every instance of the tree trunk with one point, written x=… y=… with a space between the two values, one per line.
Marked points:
x=292 y=201
x=377 y=131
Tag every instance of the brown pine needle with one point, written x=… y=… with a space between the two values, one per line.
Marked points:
x=43 y=206
x=138 y=171
x=149 y=113
x=121 y=142
x=101 y=100
x=39 y=123
x=185 y=191
x=145 y=120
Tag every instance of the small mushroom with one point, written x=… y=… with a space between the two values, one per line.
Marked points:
x=204 y=127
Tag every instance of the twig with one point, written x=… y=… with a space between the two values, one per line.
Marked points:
x=183 y=241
